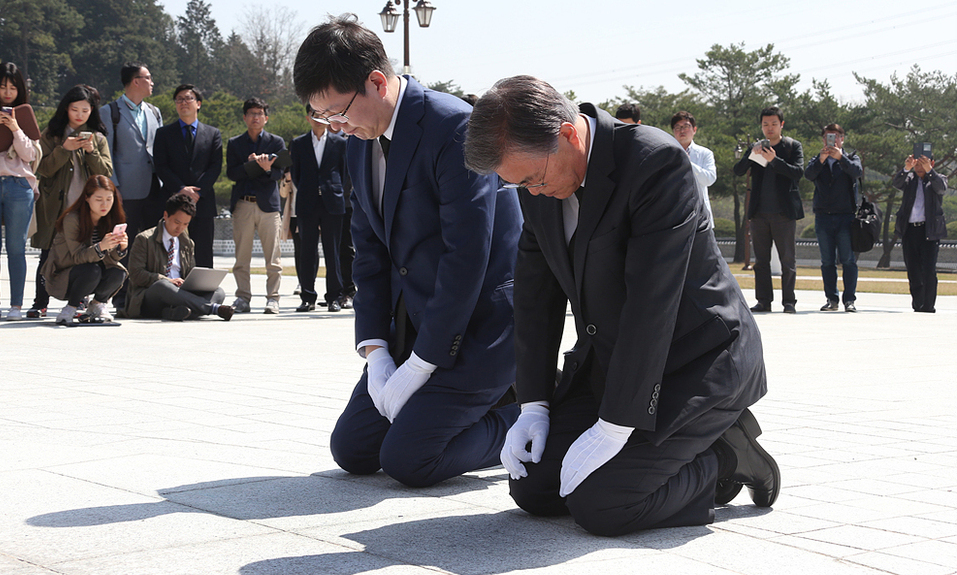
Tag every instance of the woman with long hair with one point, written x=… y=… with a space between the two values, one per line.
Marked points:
x=86 y=252
x=74 y=148
x=17 y=183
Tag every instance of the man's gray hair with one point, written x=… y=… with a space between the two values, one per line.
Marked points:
x=519 y=115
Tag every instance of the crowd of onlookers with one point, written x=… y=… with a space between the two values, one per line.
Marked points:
x=122 y=207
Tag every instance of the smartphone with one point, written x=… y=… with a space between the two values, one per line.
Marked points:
x=7 y=110
x=830 y=138
x=923 y=149
x=273 y=156
x=84 y=136
x=766 y=144
x=118 y=229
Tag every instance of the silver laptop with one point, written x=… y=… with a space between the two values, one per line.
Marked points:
x=203 y=279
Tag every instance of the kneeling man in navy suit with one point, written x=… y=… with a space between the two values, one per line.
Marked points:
x=648 y=426
x=435 y=253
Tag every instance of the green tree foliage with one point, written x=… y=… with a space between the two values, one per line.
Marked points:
x=29 y=32
x=448 y=87
x=199 y=46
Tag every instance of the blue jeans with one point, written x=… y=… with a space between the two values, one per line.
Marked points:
x=16 y=209
x=834 y=236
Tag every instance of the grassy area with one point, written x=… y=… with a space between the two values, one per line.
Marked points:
x=897 y=280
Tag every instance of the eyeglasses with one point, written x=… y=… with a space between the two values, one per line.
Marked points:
x=148 y=78
x=184 y=99
x=339 y=118
x=256 y=114
x=682 y=127
x=526 y=187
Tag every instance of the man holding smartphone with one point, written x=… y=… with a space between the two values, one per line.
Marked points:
x=776 y=165
x=835 y=172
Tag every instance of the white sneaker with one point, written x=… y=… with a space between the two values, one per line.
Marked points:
x=66 y=315
x=97 y=310
x=14 y=314
x=272 y=306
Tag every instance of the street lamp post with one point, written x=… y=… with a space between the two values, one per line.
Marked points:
x=738 y=154
x=390 y=17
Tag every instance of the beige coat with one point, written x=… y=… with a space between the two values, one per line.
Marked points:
x=56 y=173
x=67 y=252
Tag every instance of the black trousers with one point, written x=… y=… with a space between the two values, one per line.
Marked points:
x=643 y=487
x=347 y=254
x=42 y=299
x=920 y=259
x=163 y=294
x=140 y=215
x=202 y=231
x=93 y=278
x=779 y=230
x=312 y=227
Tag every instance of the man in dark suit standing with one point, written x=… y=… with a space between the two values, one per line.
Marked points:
x=776 y=164
x=319 y=172
x=189 y=159
x=921 y=226
x=255 y=203
x=435 y=253
x=650 y=413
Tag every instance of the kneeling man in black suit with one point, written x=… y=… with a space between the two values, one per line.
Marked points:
x=648 y=425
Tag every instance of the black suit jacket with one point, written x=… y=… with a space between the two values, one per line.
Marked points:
x=788 y=167
x=317 y=183
x=655 y=304
x=177 y=169
x=263 y=185
x=934 y=187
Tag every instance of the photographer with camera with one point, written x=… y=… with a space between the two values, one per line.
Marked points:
x=921 y=226
x=834 y=173
x=776 y=165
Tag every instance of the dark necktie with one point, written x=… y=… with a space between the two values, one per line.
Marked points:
x=385 y=143
x=571 y=242
x=188 y=136
x=169 y=257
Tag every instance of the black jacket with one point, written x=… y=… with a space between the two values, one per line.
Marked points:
x=788 y=168
x=934 y=187
x=835 y=193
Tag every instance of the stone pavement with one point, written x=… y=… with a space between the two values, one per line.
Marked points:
x=202 y=448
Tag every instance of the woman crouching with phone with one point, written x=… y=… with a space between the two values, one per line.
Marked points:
x=85 y=257
x=74 y=148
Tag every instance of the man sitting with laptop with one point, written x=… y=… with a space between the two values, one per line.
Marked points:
x=164 y=281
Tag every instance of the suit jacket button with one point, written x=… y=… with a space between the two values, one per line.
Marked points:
x=575 y=366
x=403 y=271
x=651 y=410
x=453 y=352
x=458 y=338
x=590 y=329
x=657 y=387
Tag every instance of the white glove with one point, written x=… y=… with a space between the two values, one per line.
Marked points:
x=380 y=369
x=406 y=380
x=531 y=426
x=590 y=451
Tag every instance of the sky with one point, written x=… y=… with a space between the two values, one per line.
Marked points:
x=595 y=48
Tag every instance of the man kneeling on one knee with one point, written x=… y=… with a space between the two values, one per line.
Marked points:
x=160 y=260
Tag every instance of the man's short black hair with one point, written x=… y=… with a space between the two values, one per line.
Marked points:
x=832 y=128
x=180 y=203
x=629 y=111
x=340 y=55
x=191 y=88
x=129 y=71
x=682 y=115
x=255 y=103
x=771 y=111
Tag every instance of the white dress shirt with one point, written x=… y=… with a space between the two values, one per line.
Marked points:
x=175 y=270
x=705 y=174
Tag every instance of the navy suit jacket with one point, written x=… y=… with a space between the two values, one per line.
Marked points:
x=319 y=183
x=263 y=185
x=447 y=240
x=664 y=323
x=177 y=169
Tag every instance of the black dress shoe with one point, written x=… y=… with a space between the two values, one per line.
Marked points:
x=306 y=306
x=334 y=306
x=760 y=306
x=742 y=460
x=789 y=308
x=176 y=313
x=225 y=312
x=345 y=302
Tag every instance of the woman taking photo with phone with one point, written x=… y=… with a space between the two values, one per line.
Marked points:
x=85 y=256
x=17 y=183
x=74 y=148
